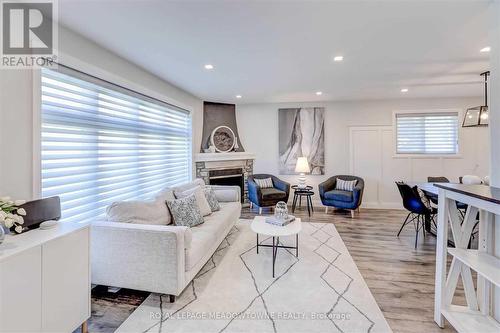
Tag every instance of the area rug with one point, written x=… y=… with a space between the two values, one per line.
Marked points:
x=320 y=291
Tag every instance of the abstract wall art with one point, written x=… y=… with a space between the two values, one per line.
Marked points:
x=301 y=133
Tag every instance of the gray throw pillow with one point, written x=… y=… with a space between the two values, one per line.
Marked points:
x=185 y=211
x=212 y=199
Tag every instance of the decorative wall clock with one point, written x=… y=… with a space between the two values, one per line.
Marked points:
x=223 y=139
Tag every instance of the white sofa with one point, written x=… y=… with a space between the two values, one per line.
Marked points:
x=160 y=258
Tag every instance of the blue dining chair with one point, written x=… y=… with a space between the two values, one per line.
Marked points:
x=418 y=211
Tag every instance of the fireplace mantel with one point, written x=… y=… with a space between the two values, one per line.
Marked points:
x=216 y=157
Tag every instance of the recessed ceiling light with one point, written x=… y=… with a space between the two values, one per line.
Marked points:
x=338 y=58
x=209 y=66
x=319 y=93
x=238 y=96
x=404 y=90
x=485 y=49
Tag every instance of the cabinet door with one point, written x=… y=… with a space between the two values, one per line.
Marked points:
x=66 y=282
x=20 y=292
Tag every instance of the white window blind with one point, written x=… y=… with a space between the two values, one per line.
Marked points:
x=103 y=143
x=427 y=133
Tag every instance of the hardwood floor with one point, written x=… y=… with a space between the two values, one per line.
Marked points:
x=400 y=278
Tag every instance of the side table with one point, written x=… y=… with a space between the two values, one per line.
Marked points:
x=298 y=193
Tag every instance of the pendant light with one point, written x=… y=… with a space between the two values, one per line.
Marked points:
x=479 y=115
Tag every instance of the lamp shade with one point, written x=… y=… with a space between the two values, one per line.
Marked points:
x=302 y=165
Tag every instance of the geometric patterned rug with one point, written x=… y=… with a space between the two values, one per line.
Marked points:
x=320 y=291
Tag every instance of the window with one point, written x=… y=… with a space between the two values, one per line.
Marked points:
x=427 y=133
x=103 y=143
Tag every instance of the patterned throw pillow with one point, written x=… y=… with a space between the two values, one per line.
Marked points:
x=212 y=199
x=264 y=182
x=345 y=185
x=185 y=211
x=423 y=197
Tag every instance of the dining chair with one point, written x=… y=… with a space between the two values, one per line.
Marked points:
x=418 y=211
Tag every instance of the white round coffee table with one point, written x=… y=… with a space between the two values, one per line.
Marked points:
x=259 y=226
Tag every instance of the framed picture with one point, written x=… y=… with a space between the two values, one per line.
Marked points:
x=476 y=116
x=301 y=134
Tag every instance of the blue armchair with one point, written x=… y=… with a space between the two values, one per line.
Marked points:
x=267 y=197
x=330 y=197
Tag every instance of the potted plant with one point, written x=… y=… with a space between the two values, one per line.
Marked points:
x=11 y=216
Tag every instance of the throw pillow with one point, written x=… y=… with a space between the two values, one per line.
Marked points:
x=423 y=197
x=264 y=182
x=201 y=200
x=185 y=211
x=212 y=199
x=345 y=185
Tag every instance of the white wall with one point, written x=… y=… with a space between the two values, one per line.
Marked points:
x=258 y=125
x=16 y=105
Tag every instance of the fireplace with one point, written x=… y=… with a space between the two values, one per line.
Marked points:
x=228 y=177
x=226 y=169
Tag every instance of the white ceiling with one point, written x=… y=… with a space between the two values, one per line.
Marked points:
x=279 y=51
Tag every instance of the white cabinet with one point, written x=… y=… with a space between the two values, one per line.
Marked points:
x=45 y=280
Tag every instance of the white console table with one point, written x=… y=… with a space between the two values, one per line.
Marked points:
x=477 y=315
x=45 y=279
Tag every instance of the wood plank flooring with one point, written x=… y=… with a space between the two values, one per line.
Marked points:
x=400 y=278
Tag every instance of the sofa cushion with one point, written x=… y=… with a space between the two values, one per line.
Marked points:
x=338 y=195
x=163 y=196
x=272 y=193
x=190 y=185
x=201 y=241
x=139 y=212
x=205 y=235
x=185 y=211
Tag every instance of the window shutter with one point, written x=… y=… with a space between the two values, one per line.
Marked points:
x=427 y=133
x=103 y=143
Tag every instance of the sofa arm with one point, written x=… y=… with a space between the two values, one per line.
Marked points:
x=227 y=193
x=137 y=256
x=326 y=186
x=358 y=193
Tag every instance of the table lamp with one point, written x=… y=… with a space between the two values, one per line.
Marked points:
x=302 y=167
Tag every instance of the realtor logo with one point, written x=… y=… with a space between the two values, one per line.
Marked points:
x=28 y=33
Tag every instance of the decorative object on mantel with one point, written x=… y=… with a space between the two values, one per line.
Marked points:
x=210 y=149
x=301 y=133
x=223 y=139
x=302 y=167
x=478 y=116
x=11 y=215
x=216 y=115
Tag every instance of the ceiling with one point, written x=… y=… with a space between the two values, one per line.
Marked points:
x=282 y=51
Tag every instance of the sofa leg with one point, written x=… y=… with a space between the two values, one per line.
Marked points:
x=326 y=210
x=172 y=298
x=260 y=210
x=352 y=213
